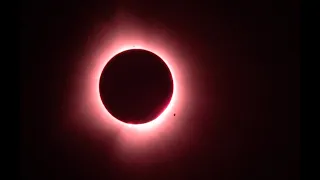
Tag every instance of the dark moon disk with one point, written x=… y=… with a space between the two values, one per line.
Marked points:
x=136 y=86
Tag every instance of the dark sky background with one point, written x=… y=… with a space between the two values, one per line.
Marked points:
x=249 y=54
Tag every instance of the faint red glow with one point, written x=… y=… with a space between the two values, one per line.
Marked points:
x=88 y=110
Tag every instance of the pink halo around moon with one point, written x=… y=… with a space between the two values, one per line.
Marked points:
x=152 y=140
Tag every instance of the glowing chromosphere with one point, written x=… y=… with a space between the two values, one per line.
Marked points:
x=136 y=86
x=171 y=129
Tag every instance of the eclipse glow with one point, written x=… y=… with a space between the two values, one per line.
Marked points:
x=88 y=110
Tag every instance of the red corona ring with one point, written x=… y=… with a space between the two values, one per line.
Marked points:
x=88 y=110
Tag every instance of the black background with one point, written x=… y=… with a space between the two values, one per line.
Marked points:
x=255 y=71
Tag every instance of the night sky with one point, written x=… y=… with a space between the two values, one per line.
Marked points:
x=243 y=120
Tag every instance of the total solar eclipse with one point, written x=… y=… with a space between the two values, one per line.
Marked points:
x=136 y=86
